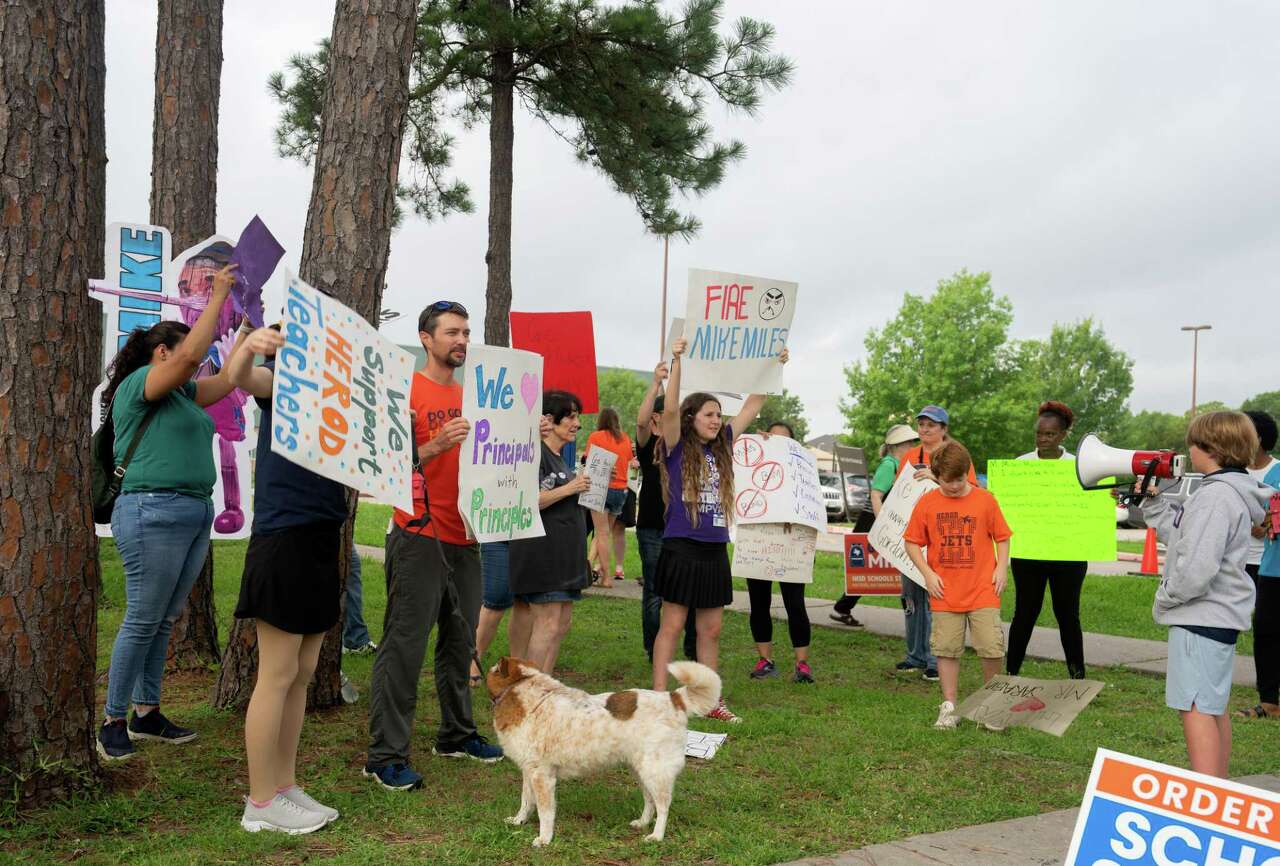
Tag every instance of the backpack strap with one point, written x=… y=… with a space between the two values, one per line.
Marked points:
x=137 y=438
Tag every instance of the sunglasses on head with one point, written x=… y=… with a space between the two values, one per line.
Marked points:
x=449 y=307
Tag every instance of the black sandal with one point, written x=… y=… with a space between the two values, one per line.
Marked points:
x=846 y=618
x=1258 y=712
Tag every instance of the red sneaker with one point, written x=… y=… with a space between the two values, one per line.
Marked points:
x=721 y=713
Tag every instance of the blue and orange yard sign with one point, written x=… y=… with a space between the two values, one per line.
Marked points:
x=866 y=572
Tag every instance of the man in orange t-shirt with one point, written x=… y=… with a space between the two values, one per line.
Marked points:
x=965 y=571
x=417 y=595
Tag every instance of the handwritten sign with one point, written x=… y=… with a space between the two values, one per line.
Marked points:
x=736 y=327
x=498 y=463
x=340 y=398
x=774 y=551
x=599 y=470
x=886 y=533
x=1051 y=517
x=698 y=744
x=567 y=344
x=775 y=480
x=1139 y=811
x=866 y=572
x=1046 y=705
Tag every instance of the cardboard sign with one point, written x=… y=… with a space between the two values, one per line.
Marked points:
x=886 y=533
x=775 y=480
x=675 y=332
x=736 y=327
x=1138 y=811
x=866 y=572
x=567 y=344
x=1046 y=705
x=340 y=398
x=599 y=471
x=144 y=284
x=1051 y=517
x=775 y=551
x=498 y=463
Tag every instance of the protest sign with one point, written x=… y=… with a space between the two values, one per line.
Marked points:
x=1051 y=517
x=145 y=284
x=1139 y=811
x=775 y=551
x=775 y=480
x=866 y=572
x=599 y=469
x=1046 y=705
x=886 y=533
x=698 y=744
x=257 y=253
x=498 y=462
x=340 y=398
x=736 y=327
x=675 y=332
x=567 y=344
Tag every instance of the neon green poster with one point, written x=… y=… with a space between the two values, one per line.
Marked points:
x=1051 y=517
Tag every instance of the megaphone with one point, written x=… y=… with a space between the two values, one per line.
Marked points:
x=1096 y=460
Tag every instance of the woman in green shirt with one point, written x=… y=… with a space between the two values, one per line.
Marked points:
x=162 y=517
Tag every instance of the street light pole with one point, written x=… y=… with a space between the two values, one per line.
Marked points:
x=1195 y=357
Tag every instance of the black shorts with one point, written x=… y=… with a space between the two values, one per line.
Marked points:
x=694 y=573
x=291 y=578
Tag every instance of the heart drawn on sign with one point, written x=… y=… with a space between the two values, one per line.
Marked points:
x=530 y=392
x=1030 y=705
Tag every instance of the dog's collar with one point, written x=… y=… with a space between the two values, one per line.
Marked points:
x=502 y=694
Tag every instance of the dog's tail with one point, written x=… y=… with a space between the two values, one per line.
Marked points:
x=699 y=689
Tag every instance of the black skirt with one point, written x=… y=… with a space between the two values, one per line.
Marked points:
x=291 y=578
x=694 y=573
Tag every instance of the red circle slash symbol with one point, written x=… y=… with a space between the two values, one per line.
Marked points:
x=751 y=504
x=748 y=452
x=768 y=476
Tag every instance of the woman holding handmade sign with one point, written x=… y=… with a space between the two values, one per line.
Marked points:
x=549 y=573
x=697 y=486
x=611 y=535
x=162 y=517
x=1065 y=578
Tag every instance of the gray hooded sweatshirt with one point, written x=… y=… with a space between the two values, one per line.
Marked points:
x=1207 y=542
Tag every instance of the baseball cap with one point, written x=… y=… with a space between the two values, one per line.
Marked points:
x=934 y=413
x=900 y=433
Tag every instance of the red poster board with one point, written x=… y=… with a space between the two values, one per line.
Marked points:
x=866 y=572
x=567 y=344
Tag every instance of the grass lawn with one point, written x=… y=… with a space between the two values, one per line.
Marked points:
x=813 y=770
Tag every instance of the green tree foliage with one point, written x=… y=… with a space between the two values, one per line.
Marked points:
x=1151 y=430
x=1268 y=402
x=621 y=390
x=785 y=407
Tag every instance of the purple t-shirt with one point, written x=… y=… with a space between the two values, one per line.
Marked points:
x=712 y=525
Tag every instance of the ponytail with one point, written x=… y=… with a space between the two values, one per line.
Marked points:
x=137 y=350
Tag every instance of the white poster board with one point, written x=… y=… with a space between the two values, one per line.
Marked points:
x=498 y=463
x=886 y=533
x=736 y=327
x=673 y=333
x=1046 y=705
x=340 y=398
x=775 y=551
x=698 y=744
x=775 y=480
x=599 y=469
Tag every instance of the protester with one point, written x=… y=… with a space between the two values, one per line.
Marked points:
x=355 y=633
x=760 y=594
x=290 y=590
x=1065 y=578
x=697 y=486
x=965 y=572
x=162 y=517
x=933 y=429
x=1206 y=595
x=611 y=535
x=549 y=573
x=651 y=516
x=1263 y=565
x=431 y=566
x=897 y=440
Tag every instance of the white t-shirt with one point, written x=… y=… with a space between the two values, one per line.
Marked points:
x=1256 y=545
x=1035 y=455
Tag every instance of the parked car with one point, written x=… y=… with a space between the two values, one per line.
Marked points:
x=1176 y=491
x=858 y=492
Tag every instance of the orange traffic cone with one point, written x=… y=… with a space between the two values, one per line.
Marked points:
x=1150 y=556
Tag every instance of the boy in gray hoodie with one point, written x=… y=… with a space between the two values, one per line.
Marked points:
x=1206 y=596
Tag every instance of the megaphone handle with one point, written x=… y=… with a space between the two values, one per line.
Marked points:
x=1147 y=478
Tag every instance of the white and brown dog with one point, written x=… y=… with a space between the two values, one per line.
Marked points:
x=552 y=732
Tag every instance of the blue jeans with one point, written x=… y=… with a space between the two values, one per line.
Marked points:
x=355 y=634
x=162 y=538
x=919 y=621
x=650 y=543
x=495 y=572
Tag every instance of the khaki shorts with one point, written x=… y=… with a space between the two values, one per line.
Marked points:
x=947 y=638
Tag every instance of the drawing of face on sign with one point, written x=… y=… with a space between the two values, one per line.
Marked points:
x=772 y=303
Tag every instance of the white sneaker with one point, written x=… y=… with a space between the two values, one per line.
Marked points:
x=947 y=718
x=306 y=801
x=993 y=726
x=281 y=815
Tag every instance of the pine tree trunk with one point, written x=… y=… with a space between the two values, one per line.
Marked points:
x=348 y=234
x=184 y=199
x=497 y=296
x=52 y=199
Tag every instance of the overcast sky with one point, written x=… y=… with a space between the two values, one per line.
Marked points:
x=1115 y=160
